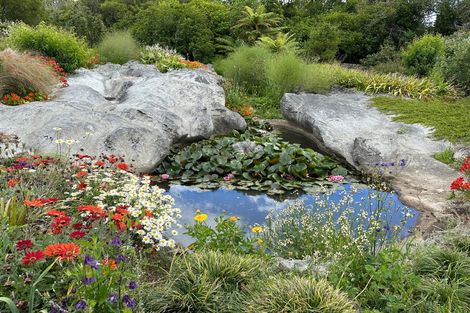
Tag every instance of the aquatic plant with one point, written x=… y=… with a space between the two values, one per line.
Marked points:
x=255 y=159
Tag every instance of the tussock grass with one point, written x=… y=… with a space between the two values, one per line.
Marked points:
x=22 y=73
x=119 y=48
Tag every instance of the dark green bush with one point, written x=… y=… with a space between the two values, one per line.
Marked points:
x=119 y=48
x=420 y=56
x=454 y=63
x=70 y=51
x=323 y=42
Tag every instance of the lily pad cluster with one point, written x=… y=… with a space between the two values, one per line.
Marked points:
x=271 y=165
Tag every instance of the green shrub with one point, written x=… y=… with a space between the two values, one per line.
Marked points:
x=420 y=56
x=118 y=47
x=386 y=60
x=281 y=43
x=285 y=72
x=246 y=67
x=454 y=64
x=206 y=281
x=297 y=295
x=323 y=42
x=68 y=50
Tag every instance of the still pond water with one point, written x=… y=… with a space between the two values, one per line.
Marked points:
x=252 y=208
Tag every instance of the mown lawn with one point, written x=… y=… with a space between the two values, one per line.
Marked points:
x=450 y=120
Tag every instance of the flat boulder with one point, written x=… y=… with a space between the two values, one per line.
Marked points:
x=130 y=110
x=345 y=126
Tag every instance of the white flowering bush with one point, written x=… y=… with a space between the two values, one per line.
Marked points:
x=335 y=225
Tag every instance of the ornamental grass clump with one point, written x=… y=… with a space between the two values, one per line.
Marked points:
x=297 y=295
x=22 y=74
x=118 y=48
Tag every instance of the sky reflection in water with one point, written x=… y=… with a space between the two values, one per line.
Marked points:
x=253 y=208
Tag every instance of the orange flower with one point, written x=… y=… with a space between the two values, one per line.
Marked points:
x=109 y=263
x=62 y=251
x=55 y=213
x=148 y=213
x=39 y=202
x=122 y=209
x=118 y=217
x=12 y=182
x=92 y=209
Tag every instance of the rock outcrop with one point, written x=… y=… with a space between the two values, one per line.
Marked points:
x=343 y=125
x=130 y=110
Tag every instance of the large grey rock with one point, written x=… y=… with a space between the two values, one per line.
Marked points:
x=131 y=110
x=343 y=125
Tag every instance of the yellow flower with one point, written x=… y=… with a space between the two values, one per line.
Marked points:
x=257 y=229
x=198 y=211
x=200 y=217
x=233 y=218
x=259 y=242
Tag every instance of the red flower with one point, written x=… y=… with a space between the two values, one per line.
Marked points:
x=100 y=163
x=112 y=158
x=82 y=174
x=123 y=166
x=77 y=226
x=12 y=182
x=148 y=213
x=118 y=217
x=24 y=245
x=55 y=213
x=457 y=183
x=122 y=209
x=77 y=234
x=121 y=226
x=32 y=257
x=62 y=251
x=466 y=165
x=466 y=186
x=22 y=159
x=61 y=221
x=82 y=185
x=36 y=156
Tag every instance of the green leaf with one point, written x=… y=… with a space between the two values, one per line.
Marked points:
x=10 y=304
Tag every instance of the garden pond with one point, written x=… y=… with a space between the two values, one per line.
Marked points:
x=254 y=207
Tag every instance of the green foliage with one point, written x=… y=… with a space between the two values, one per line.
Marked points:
x=28 y=11
x=446 y=156
x=267 y=163
x=281 y=43
x=207 y=281
x=257 y=22
x=420 y=56
x=68 y=50
x=190 y=28
x=323 y=42
x=119 y=48
x=454 y=64
x=284 y=73
x=386 y=60
x=245 y=67
x=163 y=58
x=384 y=282
x=81 y=20
x=228 y=235
x=298 y=295
x=449 y=120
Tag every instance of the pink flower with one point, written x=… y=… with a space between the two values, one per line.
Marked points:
x=165 y=177
x=335 y=178
x=229 y=177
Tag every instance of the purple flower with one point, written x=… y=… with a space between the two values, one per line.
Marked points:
x=120 y=258
x=116 y=241
x=386 y=228
x=57 y=309
x=81 y=305
x=128 y=301
x=88 y=260
x=132 y=285
x=402 y=162
x=88 y=280
x=112 y=298
x=378 y=229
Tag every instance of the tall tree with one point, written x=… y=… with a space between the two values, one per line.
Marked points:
x=258 y=22
x=29 y=11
